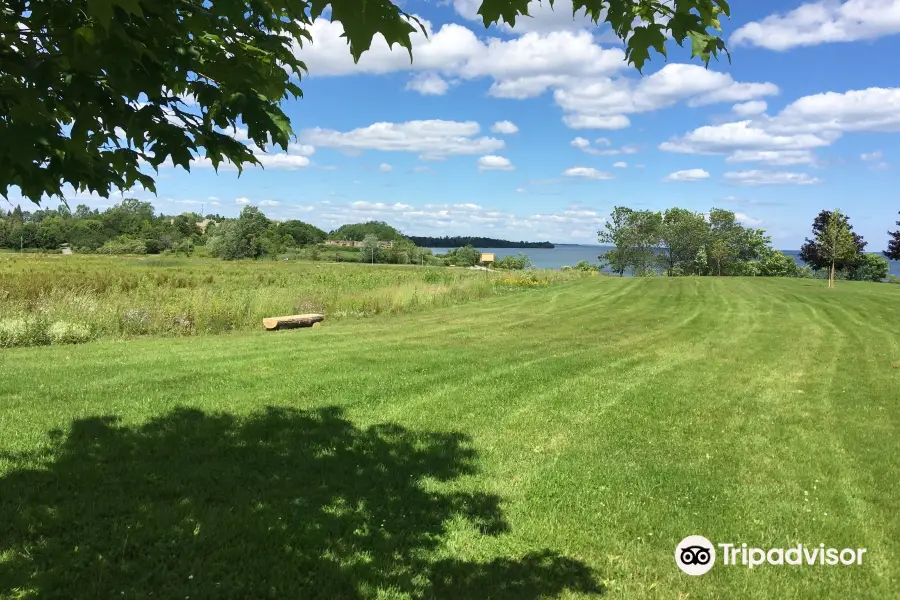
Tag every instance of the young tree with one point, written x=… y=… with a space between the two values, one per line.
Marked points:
x=893 y=249
x=812 y=254
x=836 y=243
x=719 y=253
x=615 y=233
x=94 y=90
x=368 y=252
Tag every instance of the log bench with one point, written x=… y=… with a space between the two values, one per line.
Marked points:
x=292 y=321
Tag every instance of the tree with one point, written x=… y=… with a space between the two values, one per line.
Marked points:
x=893 y=249
x=614 y=232
x=96 y=91
x=369 y=249
x=812 y=254
x=719 y=253
x=836 y=243
x=682 y=234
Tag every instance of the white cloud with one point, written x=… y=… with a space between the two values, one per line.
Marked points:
x=301 y=149
x=434 y=139
x=750 y=109
x=385 y=168
x=504 y=127
x=872 y=109
x=580 y=142
x=780 y=158
x=620 y=165
x=396 y=207
x=822 y=22
x=586 y=173
x=428 y=84
x=269 y=203
x=756 y=178
x=521 y=191
x=605 y=103
x=789 y=137
x=877 y=155
x=747 y=220
x=242 y=200
x=687 y=175
x=282 y=161
x=494 y=163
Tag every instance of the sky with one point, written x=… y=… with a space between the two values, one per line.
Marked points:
x=537 y=133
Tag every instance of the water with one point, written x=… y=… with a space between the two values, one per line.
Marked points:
x=569 y=254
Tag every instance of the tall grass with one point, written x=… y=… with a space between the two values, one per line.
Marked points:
x=68 y=299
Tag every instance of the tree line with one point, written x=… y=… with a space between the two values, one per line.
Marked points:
x=678 y=242
x=459 y=241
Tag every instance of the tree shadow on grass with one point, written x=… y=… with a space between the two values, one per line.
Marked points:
x=280 y=504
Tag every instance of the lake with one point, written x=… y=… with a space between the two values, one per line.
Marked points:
x=569 y=254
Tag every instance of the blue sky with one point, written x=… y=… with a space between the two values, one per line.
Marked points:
x=537 y=134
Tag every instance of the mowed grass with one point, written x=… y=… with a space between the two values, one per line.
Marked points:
x=554 y=443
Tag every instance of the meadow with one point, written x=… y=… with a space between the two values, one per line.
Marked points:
x=51 y=299
x=556 y=442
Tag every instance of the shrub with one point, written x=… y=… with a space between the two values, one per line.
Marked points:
x=23 y=332
x=62 y=332
x=124 y=244
x=135 y=321
x=872 y=267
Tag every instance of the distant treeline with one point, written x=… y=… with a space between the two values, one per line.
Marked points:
x=458 y=241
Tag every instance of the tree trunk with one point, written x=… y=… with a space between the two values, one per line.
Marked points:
x=831 y=276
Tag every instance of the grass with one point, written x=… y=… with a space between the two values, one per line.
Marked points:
x=48 y=299
x=554 y=443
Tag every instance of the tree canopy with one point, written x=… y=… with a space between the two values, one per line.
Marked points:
x=813 y=253
x=98 y=94
x=893 y=249
x=358 y=232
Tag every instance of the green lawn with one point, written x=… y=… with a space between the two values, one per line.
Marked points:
x=554 y=443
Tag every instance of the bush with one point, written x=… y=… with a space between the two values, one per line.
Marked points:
x=62 y=332
x=124 y=244
x=23 y=332
x=872 y=267
x=777 y=264
x=513 y=263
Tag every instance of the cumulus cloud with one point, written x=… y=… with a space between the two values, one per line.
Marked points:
x=586 y=173
x=432 y=140
x=504 y=127
x=822 y=22
x=687 y=175
x=385 y=168
x=428 y=84
x=789 y=137
x=757 y=178
x=870 y=156
x=750 y=109
x=242 y=200
x=747 y=220
x=620 y=165
x=270 y=203
x=494 y=163
x=570 y=62
x=585 y=145
x=605 y=103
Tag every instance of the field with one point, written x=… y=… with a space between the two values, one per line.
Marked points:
x=556 y=442
x=46 y=299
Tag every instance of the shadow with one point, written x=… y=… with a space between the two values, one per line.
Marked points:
x=280 y=504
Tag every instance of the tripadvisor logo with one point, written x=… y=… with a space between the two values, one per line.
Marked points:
x=696 y=555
